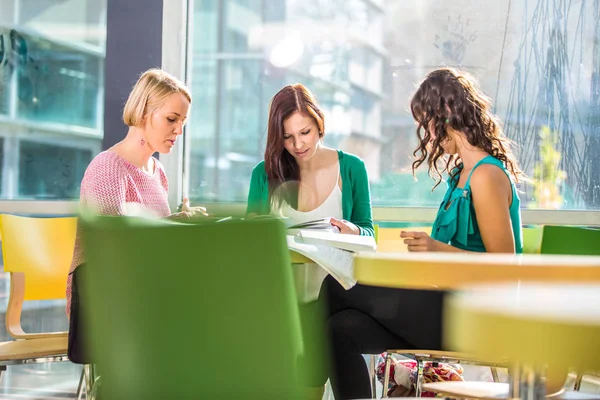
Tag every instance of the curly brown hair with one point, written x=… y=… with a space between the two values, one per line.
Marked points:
x=451 y=98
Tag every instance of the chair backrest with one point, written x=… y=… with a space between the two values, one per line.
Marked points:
x=41 y=249
x=570 y=240
x=191 y=311
x=532 y=239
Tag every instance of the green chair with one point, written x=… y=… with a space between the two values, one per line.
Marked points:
x=191 y=311
x=570 y=240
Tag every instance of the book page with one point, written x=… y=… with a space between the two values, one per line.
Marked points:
x=315 y=224
x=337 y=262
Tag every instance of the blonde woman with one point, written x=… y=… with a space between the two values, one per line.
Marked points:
x=126 y=176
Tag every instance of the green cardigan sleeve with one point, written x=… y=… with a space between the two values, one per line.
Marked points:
x=258 y=195
x=356 y=194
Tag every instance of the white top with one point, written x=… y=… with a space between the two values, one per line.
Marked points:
x=331 y=207
x=309 y=277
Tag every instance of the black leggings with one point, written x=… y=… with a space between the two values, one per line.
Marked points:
x=371 y=320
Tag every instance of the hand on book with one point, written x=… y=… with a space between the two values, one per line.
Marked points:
x=192 y=212
x=346 y=227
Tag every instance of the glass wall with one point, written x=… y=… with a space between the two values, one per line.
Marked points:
x=539 y=61
x=51 y=95
x=51 y=115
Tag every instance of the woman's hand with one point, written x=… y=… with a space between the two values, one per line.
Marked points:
x=190 y=213
x=185 y=207
x=420 y=241
x=346 y=227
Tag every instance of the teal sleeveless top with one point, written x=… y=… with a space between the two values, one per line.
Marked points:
x=456 y=222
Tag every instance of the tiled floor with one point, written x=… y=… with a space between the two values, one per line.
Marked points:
x=40 y=381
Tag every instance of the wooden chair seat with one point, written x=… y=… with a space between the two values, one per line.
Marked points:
x=21 y=350
x=491 y=390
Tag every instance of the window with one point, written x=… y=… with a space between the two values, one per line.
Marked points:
x=51 y=95
x=539 y=62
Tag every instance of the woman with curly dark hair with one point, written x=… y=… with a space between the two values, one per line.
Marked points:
x=480 y=212
x=458 y=132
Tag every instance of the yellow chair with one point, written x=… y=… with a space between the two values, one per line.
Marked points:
x=37 y=253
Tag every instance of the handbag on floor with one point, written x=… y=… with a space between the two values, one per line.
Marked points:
x=403 y=375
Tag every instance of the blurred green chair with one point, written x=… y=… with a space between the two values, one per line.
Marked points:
x=191 y=310
x=532 y=239
x=570 y=240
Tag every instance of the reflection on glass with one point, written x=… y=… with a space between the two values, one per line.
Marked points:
x=51 y=95
x=53 y=80
x=537 y=60
x=51 y=172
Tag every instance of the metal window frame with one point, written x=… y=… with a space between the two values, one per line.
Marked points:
x=175 y=41
x=388 y=214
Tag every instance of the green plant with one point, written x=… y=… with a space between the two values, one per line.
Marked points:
x=548 y=178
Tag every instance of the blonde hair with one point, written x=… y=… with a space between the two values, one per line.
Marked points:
x=149 y=93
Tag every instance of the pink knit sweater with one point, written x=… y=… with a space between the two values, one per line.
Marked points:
x=109 y=183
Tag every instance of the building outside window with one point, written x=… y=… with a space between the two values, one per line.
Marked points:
x=539 y=61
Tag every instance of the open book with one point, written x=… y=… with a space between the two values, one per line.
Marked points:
x=338 y=240
x=323 y=224
x=337 y=262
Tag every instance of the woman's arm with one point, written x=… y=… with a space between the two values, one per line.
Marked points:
x=421 y=241
x=492 y=196
x=256 y=194
x=361 y=198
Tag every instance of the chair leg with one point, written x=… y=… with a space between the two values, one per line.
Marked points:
x=90 y=380
x=578 y=380
x=419 y=385
x=494 y=372
x=373 y=376
x=386 y=379
x=79 y=392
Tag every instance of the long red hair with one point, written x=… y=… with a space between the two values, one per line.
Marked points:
x=280 y=165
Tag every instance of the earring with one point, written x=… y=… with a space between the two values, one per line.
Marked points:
x=142 y=142
x=447 y=120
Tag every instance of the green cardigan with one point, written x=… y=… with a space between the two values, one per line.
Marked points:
x=356 y=196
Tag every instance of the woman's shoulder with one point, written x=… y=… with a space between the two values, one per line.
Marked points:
x=106 y=163
x=490 y=177
x=259 y=170
x=350 y=160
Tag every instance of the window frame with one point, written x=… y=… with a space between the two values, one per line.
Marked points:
x=176 y=56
